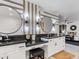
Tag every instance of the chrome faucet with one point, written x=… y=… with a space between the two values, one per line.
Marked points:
x=7 y=38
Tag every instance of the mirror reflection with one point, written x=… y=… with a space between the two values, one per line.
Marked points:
x=10 y=20
x=46 y=24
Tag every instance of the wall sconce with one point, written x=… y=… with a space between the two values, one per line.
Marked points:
x=26 y=17
x=37 y=24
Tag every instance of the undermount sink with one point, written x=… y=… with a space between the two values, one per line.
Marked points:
x=0 y=42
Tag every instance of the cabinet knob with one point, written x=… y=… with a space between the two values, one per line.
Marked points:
x=55 y=44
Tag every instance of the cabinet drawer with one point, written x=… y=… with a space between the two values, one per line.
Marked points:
x=9 y=48
x=2 y=50
x=14 y=47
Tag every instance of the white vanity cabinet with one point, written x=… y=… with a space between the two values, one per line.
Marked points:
x=55 y=45
x=16 y=55
x=16 y=51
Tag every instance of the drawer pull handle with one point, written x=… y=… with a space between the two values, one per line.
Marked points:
x=50 y=40
x=33 y=48
x=55 y=44
x=21 y=46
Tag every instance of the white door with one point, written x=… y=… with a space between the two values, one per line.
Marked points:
x=17 y=55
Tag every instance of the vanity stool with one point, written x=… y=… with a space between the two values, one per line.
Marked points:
x=36 y=53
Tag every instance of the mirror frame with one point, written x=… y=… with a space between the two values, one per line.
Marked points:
x=19 y=16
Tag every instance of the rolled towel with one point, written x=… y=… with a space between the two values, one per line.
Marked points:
x=44 y=39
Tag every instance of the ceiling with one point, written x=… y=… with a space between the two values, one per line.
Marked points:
x=59 y=6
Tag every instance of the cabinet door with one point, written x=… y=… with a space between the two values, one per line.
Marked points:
x=54 y=49
x=62 y=43
x=17 y=55
x=50 y=47
x=57 y=45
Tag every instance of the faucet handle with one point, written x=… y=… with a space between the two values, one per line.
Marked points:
x=7 y=36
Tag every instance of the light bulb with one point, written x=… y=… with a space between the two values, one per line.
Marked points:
x=63 y=31
x=37 y=28
x=53 y=28
x=37 y=18
x=26 y=16
x=26 y=28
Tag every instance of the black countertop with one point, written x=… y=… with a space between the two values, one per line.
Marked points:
x=73 y=42
x=17 y=39
x=12 y=42
x=32 y=43
x=53 y=37
x=35 y=43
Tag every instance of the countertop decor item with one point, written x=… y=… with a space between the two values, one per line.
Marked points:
x=73 y=27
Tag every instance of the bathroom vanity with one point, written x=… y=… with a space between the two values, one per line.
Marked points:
x=13 y=22
x=17 y=51
x=20 y=50
x=55 y=45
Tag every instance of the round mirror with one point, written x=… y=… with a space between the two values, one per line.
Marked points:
x=10 y=20
x=46 y=24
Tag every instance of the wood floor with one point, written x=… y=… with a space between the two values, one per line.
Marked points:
x=63 y=55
